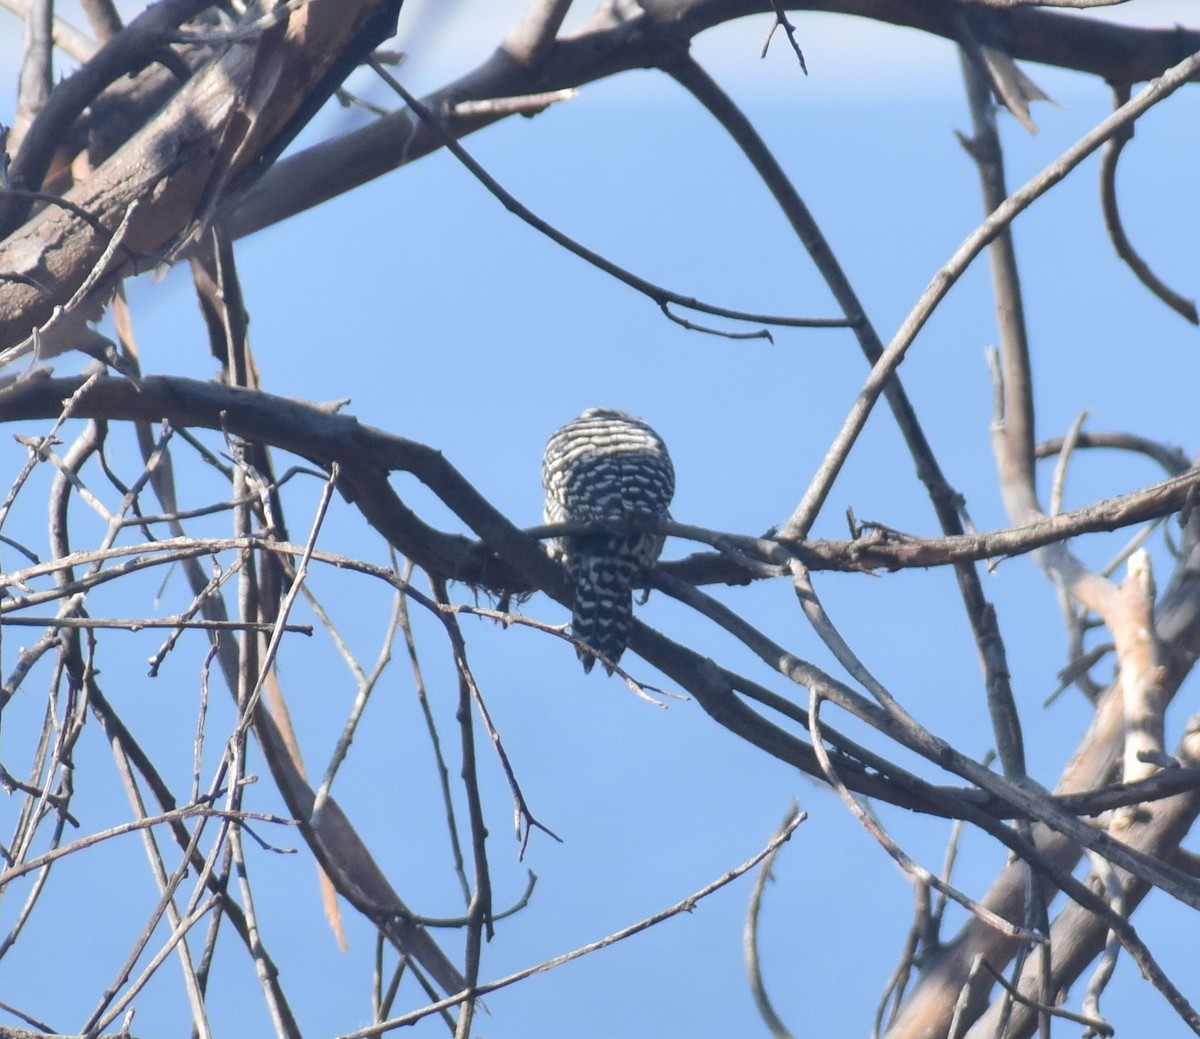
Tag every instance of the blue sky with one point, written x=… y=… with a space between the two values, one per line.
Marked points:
x=444 y=319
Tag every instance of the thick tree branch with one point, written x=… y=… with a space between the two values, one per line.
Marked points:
x=608 y=45
x=228 y=120
x=324 y=436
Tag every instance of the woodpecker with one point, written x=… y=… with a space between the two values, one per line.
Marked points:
x=606 y=466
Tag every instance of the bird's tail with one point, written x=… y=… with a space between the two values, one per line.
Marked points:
x=602 y=618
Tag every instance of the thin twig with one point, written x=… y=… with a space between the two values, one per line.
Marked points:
x=658 y=294
x=142 y=624
x=166 y=888
x=38 y=448
x=1035 y=803
x=366 y=685
x=1058 y=483
x=781 y=19
x=1097 y=1025
x=163 y=818
x=526 y=104
x=524 y=819
x=263 y=967
x=758 y=988
x=479 y=907
x=897 y=983
x=1114 y=888
x=431 y=728
x=268 y=657
x=687 y=905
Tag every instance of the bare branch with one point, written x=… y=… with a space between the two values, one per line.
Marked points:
x=37 y=73
x=72 y=41
x=750 y=939
x=526 y=104
x=781 y=21
x=659 y=295
x=530 y=41
x=104 y=18
x=1109 y=159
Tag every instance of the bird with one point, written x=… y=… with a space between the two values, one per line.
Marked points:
x=606 y=466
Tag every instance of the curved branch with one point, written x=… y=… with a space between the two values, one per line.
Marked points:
x=1184 y=307
x=1172 y=459
x=758 y=987
x=663 y=297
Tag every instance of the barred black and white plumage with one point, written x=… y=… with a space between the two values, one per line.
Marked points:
x=606 y=465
